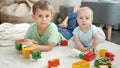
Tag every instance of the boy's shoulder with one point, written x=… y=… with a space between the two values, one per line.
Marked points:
x=52 y=24
x=33 y=24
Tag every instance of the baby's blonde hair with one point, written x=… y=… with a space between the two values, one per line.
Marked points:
x=85 y=9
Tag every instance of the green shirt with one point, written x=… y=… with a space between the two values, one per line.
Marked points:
x=50 y=35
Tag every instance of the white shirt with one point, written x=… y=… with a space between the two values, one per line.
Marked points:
x=86 y=38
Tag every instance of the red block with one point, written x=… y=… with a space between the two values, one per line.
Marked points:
x=89 y=56
x=64 y=43
x=53 y=63
x=110 y=55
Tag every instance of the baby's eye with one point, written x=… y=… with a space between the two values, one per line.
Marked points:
x=87 y=18
x=81 y=18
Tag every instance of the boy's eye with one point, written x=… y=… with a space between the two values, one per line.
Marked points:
x=39 y=16
x=47 y=16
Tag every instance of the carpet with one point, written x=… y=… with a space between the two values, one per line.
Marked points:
x=10 y=58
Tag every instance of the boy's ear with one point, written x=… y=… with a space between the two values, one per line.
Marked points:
x=52 y=17
x=33 y=16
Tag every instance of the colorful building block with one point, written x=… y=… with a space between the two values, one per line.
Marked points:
x=53 y=63
x=81 y=64
x=26 y=50
x=105 y=66
x=64 y=43
x=102 y=52
x=105 y=53
x=30 y=51
x=110 y=55
x=102 y=61
x=89 y=56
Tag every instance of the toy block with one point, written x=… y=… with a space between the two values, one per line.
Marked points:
x=81 y=55
x=102 y=52
x=64 y=43
x=109 y=55
x=81 y=64
x=35 y=55
x=89 y=56
x=26 y=50
x=30 y=51
x=53 y=63
x=18 y=46
x=104 y=66
x=102 y=61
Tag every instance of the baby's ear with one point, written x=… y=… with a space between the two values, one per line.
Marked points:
x=92 y=20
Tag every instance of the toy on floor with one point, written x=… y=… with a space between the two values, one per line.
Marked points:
x=64 y=43
x=103 y=62
x=29 y=50
x=105 y=53
x=53 y=63
x=81 y=64
x=88 y=56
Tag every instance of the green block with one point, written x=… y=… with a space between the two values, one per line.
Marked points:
x=81 y=55
x=36 y=54
x=103 y=59
x=17 y=46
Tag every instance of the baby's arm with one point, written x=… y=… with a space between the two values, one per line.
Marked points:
x=79 y=44
x=95 y=41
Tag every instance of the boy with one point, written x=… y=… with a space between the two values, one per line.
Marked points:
x=86 y=36
x=43 y=31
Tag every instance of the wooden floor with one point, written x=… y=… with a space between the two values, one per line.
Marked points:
x=115 y=35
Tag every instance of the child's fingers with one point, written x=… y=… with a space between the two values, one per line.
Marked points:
x=19 y=40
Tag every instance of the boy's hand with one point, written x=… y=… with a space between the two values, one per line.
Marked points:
x=25 y=41
x=19 y=40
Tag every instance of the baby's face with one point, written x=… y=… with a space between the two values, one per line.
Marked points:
x=42 y=17
x=84 y=19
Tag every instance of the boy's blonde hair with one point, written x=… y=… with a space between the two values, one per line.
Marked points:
x=42 y=4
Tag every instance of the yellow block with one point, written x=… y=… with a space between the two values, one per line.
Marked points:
x=102 y=52
x=26 y=50
x=81 y=64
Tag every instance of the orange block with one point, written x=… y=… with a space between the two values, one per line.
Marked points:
x=81 y=64
x=53 y=63
x=102 y=52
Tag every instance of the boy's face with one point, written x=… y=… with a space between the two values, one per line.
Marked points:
x=84 y=19
x=42 y=17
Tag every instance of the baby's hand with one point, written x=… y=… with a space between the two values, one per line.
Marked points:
x=84 y=49
x=89 y=49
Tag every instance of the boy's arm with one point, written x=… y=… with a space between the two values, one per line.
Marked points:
x=45 y=48
x=95 y=41
x=79 y=44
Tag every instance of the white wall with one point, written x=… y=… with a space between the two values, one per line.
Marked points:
x=57 y=3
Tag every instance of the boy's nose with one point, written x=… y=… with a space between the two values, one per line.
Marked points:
x=44 y=18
